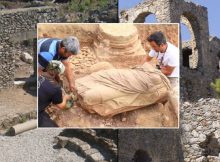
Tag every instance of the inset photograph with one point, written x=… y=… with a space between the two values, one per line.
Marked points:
x=108 y=75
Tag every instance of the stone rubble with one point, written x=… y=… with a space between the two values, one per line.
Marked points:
x=198 y=121
x=18 y=25
x=26 y=57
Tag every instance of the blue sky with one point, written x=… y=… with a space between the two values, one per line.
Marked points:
x=213 y=15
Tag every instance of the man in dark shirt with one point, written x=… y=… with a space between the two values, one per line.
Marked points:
x=49 y=92
x=56 y=49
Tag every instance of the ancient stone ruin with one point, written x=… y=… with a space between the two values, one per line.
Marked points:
x=200 y=130
x=17 y=26
x=199 y=57
x=199 y=66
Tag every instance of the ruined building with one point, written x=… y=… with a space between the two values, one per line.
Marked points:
x=200 y=56
x=16 y=26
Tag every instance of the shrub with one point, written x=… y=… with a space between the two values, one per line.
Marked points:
x=216 y=86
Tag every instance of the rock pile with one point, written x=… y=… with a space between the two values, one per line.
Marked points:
x=82 y=62
x=200 y=127
x=26 y=57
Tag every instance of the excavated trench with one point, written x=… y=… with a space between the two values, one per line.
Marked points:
x=122 y=49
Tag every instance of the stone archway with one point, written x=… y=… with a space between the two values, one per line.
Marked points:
x=141 y=156
x=186 y=53
x=160 y=145
x=141 y=17
x=190 y=49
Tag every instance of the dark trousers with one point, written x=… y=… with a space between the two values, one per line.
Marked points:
x=45 y=121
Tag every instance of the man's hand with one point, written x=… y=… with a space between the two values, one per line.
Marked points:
x=58 y=79
x=69 y=74
x=71 y=87
x=148 y=58
x=63 y=104
x=167 y=70
x=67 y=97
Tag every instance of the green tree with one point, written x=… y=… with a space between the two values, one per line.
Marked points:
x=216 y=86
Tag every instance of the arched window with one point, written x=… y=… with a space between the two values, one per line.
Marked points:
x=141 y=156
x=151 y=18
x=189 y=41
x=146 y=17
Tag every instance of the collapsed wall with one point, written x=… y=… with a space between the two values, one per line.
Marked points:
x=16 y=26
x=201 y=136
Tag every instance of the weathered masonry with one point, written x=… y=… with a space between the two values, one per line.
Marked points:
x=16 y=26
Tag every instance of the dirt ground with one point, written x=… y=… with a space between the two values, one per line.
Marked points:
x=151 y=116
x=15 y=101
x=18 y=99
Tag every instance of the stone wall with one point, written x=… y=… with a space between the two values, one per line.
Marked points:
x=201 y=136
x=189 y=55
x=196 y=141
x=6 y=65
x=16 y=26
x=161 y=145
x=195 y=17
x=214 y=50
x=190 y=84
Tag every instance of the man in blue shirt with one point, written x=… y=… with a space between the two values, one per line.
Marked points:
x=56 y=49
